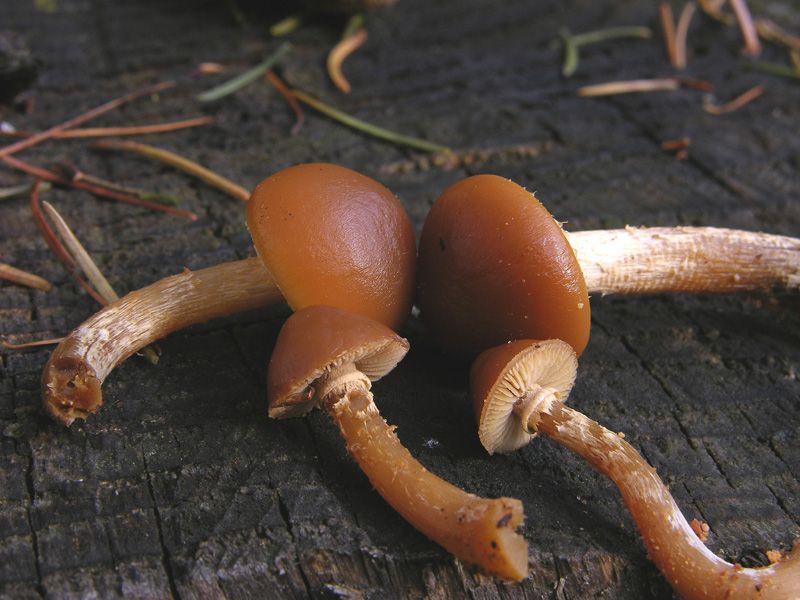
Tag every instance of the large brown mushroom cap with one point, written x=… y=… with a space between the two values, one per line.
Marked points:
x=318 y=339
x=331 y=236
x=504 y=377
x=495 y=266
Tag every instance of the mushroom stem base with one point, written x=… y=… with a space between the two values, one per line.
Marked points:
x=76 y=370
x=479 y=531
x=688 y=565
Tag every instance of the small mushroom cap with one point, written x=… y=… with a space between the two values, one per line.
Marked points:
x=504 y=375
x=317 y=339
x=331 y=236
x=495 y=266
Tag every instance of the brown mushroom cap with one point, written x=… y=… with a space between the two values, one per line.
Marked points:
x=317 y=339
x=495 y=266
x=331 y=236
x=503 y=376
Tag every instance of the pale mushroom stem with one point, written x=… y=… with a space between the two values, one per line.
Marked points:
x=689 y=566
x=78 y=366
x=686 y=259
x=479 y=531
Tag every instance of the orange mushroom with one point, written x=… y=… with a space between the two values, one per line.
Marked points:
x=519 y=390
x=328 y=357
x=330 y=236
x=495 y=266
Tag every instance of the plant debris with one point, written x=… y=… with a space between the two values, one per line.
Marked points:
x=175 y=160
x=572 y=43
x=21 y=277
x=368 y=128
x=339 y=53
x=246 y=78
x=734 y=104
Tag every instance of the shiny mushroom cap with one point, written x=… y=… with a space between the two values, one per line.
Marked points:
x=331 y=236
x=316 y=340
x=505 y=381
x=495 y=266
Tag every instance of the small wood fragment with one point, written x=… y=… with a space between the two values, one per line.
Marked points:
x=701 y=529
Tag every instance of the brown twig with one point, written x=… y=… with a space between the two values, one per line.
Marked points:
x=27 y=345
x=734 y=104
x=172 y=159
x=92 y=189
x=117 y=131
x=287 y=93
x=49 y=133
x=21 y=277
x=73 y=173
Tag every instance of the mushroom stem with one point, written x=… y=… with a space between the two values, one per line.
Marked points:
x=689 y=566
x=535 y=399
x=686 y=259
x=479 y=531
x=78 y=366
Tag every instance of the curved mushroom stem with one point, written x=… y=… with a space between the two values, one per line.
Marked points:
x=479 y=531
x=686 y=259
x=78 y=366
x=688 y=565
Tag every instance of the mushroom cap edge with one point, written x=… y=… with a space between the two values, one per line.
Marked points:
x=316 y=339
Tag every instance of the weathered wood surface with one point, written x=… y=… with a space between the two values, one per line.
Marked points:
x=182 y=487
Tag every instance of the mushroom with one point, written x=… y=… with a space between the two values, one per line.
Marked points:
x=328 y=357
x=326 y=235
x=519 y=390
x=495 y=266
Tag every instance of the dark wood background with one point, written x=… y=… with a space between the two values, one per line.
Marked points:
x=183 y=487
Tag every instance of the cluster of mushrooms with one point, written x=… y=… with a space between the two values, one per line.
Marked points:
x=498 y=282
